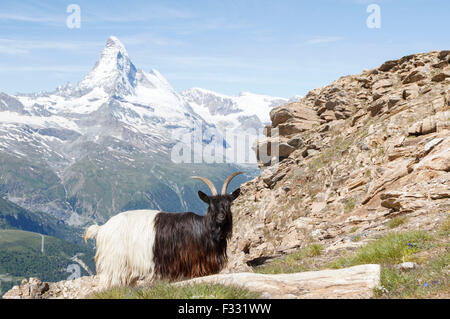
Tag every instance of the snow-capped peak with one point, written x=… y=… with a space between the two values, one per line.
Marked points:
x=114 y=71
x=122 y=100
x=238 y=113
x=113 y=45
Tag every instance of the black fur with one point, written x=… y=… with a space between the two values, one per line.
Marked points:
x=188 y=245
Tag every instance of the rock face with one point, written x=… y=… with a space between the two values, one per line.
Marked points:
x=361 y=151
x=353 y=282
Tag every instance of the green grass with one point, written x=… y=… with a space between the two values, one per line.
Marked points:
x=291 y=263
x=13 y=216
x=349 y=205
x=337 y=147
x=430 y=278
x=312 y=250
x=389 y=249
x=396 y=221
x=444 y=230
x=163 y=290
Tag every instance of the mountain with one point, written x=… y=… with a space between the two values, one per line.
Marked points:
x=235 y=113
x=88 y=151
x=118 y=100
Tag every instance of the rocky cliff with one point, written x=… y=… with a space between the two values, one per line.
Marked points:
x=353 y=155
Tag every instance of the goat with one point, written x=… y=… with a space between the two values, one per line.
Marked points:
x=148 y=244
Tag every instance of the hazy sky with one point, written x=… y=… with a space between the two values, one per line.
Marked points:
x=280 y=48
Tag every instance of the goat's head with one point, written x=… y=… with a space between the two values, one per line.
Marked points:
x=219 y=210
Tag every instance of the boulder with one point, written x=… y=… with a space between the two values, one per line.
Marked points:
x=285 y=149
x=440 y=77
x=288 y=129
x=414 y=76
x=383 y=83
x=438 y=160
x=376 y=107
x=280 y=115
x=348 y=283
x=388 y=65
x=443 y=54
x=328 y=116
x=423 y=127
x=296 y=141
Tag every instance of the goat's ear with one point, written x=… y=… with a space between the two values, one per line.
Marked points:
x=203 y=197
x=236 y=194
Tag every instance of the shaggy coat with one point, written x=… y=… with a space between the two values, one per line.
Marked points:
x=187 y=245
x=124 y=248
x=146 y=244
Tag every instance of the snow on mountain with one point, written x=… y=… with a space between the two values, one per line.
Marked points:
x=235 y=113
x=114 y=71
x=90 y=150
x=295 y=98
x=116 y=97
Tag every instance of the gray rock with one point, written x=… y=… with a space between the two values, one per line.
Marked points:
x=285 y=149
x=388 y=65
x=439 y=77
x=407 y=266
x=414 y=76
x=296 y=141
x=431 y=144
x=350 y=283
x=279 y=116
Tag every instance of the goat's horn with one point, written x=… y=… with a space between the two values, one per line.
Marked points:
x=207 y=182
x=227 y=181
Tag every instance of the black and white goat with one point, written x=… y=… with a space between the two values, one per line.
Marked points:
x=149 y=244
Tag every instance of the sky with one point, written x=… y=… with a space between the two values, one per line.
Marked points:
x=280 y=48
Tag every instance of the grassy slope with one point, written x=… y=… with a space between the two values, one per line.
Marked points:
x=431 y=251
x=13 y=216
x=167 y=291
x=21 y=257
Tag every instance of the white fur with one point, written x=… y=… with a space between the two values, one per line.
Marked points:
x=125 y=248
